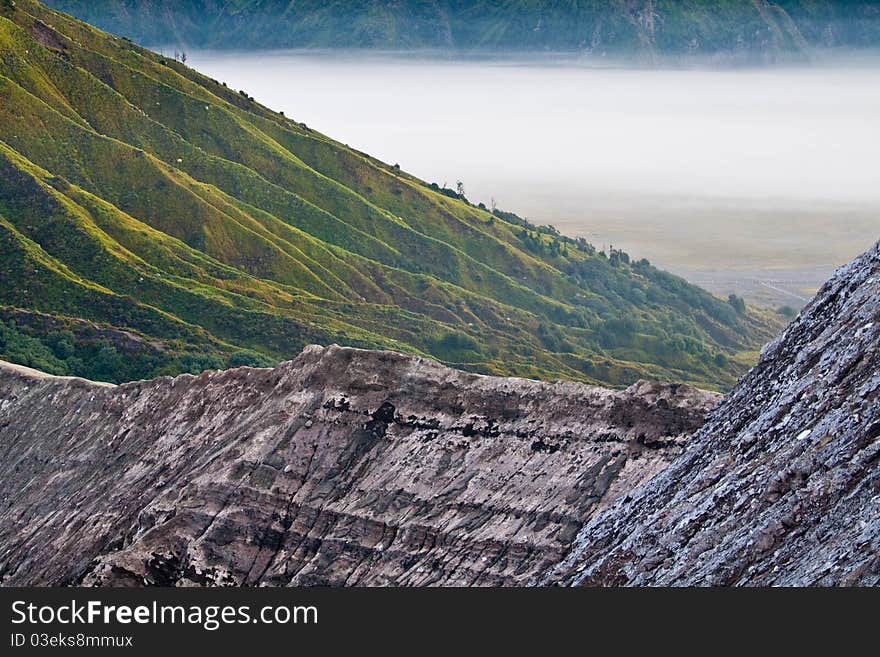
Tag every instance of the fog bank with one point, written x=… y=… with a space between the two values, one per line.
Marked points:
x=609 y=152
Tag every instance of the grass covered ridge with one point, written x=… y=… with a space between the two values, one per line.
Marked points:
x=140 y=196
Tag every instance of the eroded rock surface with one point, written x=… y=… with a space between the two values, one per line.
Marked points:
x=782 y=484
x=340 y=467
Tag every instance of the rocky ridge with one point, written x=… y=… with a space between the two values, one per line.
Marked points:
x=341 y=467
x=781 y=486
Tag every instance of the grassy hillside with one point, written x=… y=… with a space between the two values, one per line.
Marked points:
x=153 y=216
x=618 y=27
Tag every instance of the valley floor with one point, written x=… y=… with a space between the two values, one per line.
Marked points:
x=774 y=254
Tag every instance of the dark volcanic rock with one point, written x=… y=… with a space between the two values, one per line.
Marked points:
x=340 y=467
x=782 y=484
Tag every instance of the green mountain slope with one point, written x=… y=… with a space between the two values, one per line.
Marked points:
x=154 y=221
x=619 y=27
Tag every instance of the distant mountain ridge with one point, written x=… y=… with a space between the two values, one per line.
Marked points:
x=754 y=28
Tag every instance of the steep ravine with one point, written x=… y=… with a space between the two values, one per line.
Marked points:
x=340 y=467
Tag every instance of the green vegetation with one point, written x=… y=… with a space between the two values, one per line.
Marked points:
x=72 y=347
x=142 y=198
x=737 y=303
x=742 y=27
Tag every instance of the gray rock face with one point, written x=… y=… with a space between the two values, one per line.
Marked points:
x=782 y=484
x=342 y=467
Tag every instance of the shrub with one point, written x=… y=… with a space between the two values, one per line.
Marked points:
x=61 y=343
x=248 y=358
x=456 y=340
x=737 y=303
x=105 y=364
x=195 y=363
x=617 y=332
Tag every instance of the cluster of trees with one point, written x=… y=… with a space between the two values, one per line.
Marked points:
x=616 y=293
x=59 y=352
x=677 y=292
x=553 y=338
x=64 y=353
x=671 y=347
x=457 y=193
x=528 y=227
x=455 y=346
x=534 y=242
x=616 y=257
x=531 y=234
x=195 y=362
x=179 y=55
x=17 y=347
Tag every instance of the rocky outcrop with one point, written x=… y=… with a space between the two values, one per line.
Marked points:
x=782 y=484
x=341 y=467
